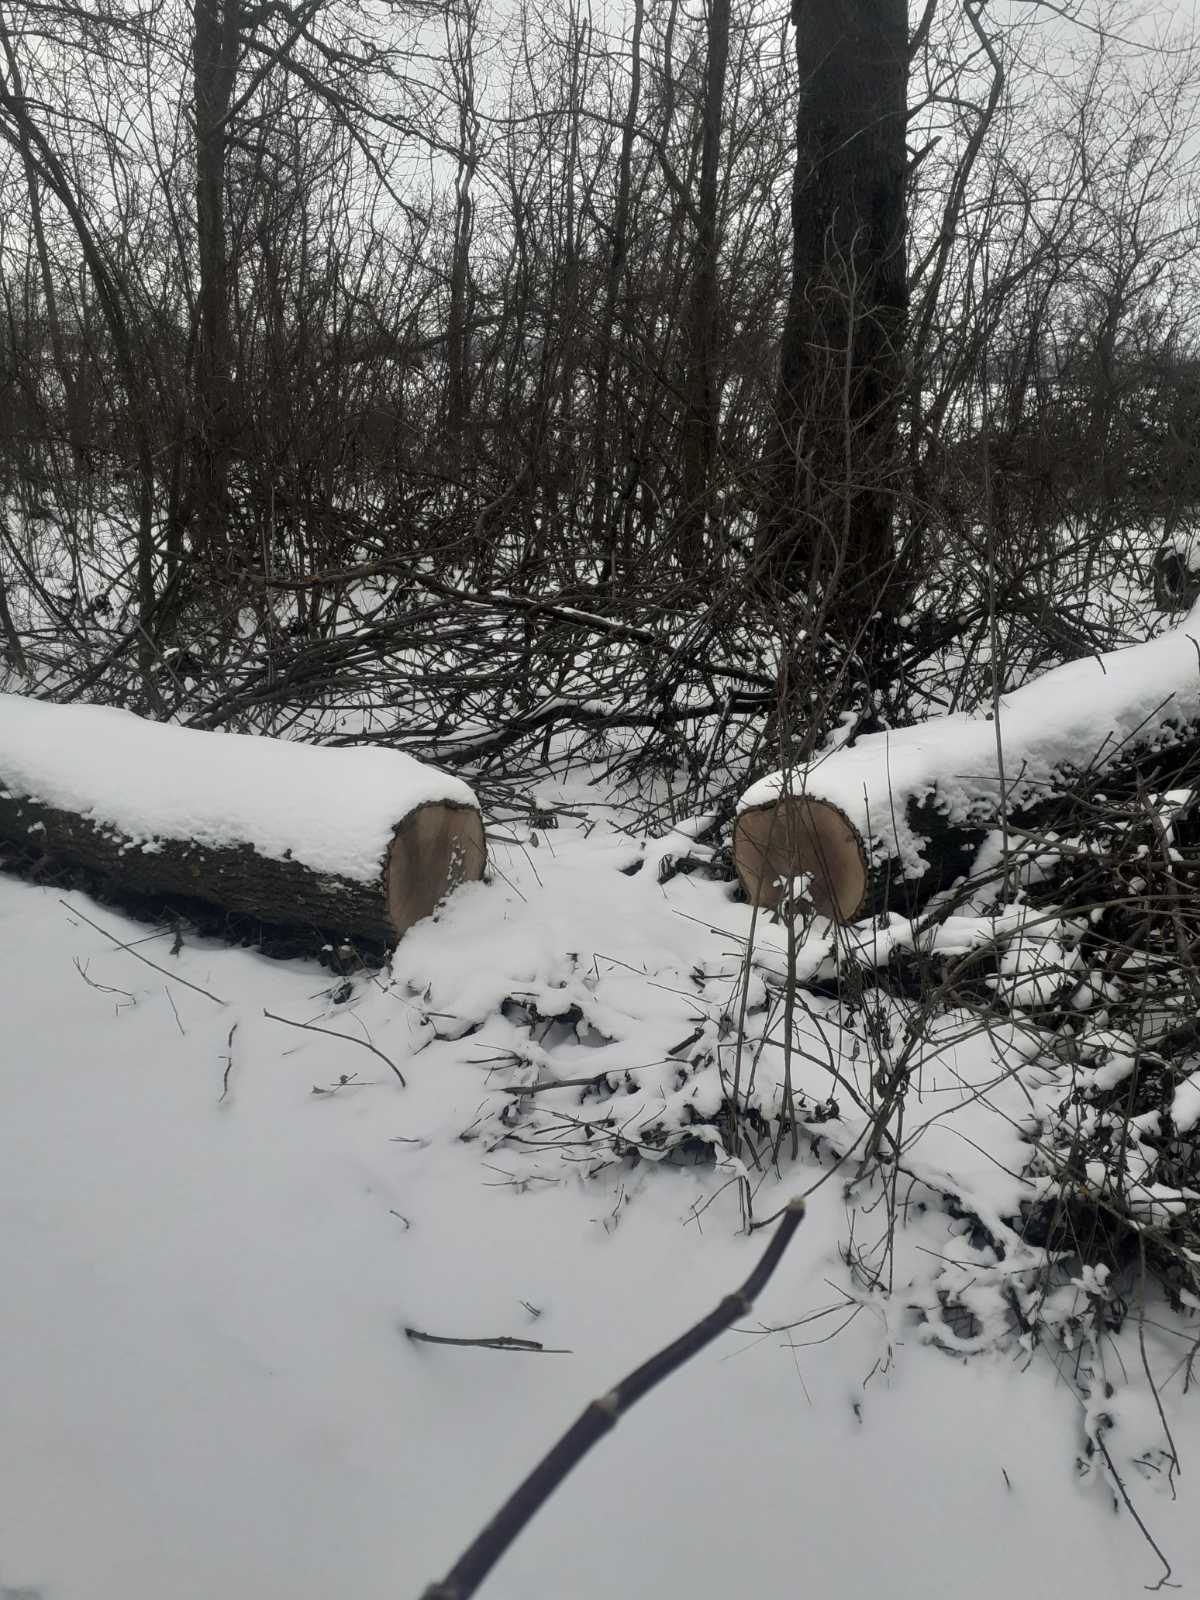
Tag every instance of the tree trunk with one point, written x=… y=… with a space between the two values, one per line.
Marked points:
x=832 y=456
x=54 y=327
x=604 y=444
x=19 y=129
x=700 y=430
x=461 y=28
x=8 y=632
x=214 y=66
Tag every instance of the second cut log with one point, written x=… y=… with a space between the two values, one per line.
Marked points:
x=898 y=816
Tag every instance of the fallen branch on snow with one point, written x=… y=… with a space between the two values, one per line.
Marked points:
x=501 y=1341
x=600 y=1416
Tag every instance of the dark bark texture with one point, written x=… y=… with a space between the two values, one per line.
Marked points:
x=832 y=457
x=214 y=68
x=434 y=848
x=700 y=433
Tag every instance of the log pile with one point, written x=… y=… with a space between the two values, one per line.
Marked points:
x=357 y=844
x=901 y=815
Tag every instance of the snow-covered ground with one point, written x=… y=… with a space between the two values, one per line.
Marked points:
x=206 y=1268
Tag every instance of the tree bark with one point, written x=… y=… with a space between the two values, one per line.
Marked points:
x=700 y=431
x=461 y=29
x=604 y=444
x=361 y=842
x=433 y=850
x=831 y=457
x=214 y=68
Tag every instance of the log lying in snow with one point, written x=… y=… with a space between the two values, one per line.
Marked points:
x=360 y=843
x=901 y=815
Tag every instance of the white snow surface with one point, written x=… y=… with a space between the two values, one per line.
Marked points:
x=333 y=810
x=1057 y=724
x=206 y=1268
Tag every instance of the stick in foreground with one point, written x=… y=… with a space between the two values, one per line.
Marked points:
x=478 y=1560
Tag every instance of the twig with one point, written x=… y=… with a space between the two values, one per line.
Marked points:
x=599 y=1417
x=104 y=988
x=137 y=955
x=175 y=1011
x=228 y=1063
x=502 y=1341
x=1164 y=1582
x=347 y=1038
x=561 y=1083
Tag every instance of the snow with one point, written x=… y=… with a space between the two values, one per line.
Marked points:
x=333 y=810
x=1052 y=727
x=207 y=1390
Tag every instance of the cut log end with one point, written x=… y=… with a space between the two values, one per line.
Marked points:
x=433 y=850
x=803 y=848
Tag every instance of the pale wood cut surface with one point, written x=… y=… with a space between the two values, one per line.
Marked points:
x=434 y=849
x=800 y=837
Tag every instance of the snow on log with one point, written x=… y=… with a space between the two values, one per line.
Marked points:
x=900 y=815
x=361 y=842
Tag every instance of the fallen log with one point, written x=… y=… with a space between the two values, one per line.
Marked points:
x=357 y=843
x=898 y=816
